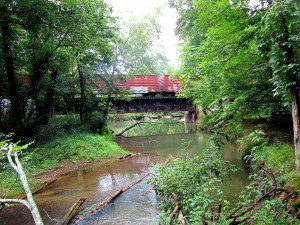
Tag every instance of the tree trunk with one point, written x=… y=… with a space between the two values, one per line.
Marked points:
x=72 y=212
x=35 y=76
x=82 y=108
x=15 y=114
x=296 y=125
x=105 y=114
x=44 y=111
x=1 y=97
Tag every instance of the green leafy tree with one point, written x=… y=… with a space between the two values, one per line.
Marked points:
x=139 y=47
x=241 y=59
x=46 y=40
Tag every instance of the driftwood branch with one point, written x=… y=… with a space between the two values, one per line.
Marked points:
x=109 y=199
x=72 y=212
x=51 y=219
x=18 y=201
x=251 y=206
x=149 y=189
x=10 y=160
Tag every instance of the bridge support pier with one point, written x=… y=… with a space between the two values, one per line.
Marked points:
x=189 y=116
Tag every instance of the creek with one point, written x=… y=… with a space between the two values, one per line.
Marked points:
x=156 y=141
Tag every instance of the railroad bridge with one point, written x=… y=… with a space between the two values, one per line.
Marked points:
x=155 y=104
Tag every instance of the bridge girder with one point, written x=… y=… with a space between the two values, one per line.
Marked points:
x=152 y=104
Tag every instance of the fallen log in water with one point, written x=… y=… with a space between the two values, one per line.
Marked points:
x=38 y=189
x=109 y=199
x=43 y=186
x=72 y=212
x=128 y=155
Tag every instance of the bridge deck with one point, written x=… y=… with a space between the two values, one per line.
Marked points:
x=153 y=104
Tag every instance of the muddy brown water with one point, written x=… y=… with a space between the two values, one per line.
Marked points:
x=156 y=141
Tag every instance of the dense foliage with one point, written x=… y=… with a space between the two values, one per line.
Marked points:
x=43 y=40
x=193 y=187
x=53 y=53
x=193 y=184
x=241 y=58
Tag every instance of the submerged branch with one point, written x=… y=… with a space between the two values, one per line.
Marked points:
x=72 y=212
x=128 y=128
x=109 y=199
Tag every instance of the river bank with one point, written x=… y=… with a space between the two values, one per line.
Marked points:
x=261 y=140
x=189 y=190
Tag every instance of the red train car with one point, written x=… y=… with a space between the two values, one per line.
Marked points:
x=147 y=85
x=141 y=84
x=169 y=86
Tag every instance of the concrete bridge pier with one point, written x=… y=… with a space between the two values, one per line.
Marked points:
x=189 y=116
x=189 y=127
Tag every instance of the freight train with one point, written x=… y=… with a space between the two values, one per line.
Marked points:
x=147 y=85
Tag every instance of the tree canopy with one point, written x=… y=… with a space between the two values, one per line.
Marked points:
x=243 y=54
x=52 y=50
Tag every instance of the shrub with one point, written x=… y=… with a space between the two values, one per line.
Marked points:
x=194 y=184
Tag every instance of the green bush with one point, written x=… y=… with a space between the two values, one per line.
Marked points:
x=58 y=126
x=97 y=122
x=196 y=184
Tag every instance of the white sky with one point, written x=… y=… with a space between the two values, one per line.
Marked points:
x=126 y=9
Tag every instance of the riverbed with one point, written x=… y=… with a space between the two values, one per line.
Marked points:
x=156 y=141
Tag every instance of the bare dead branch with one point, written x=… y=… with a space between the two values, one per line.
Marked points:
x=18 y=201
x=251 y=205
x=149 y=189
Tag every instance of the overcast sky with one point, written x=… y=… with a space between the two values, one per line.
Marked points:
x=126 y=9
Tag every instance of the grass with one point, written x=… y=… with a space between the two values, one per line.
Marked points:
x=66 y=139
x=75 y=147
